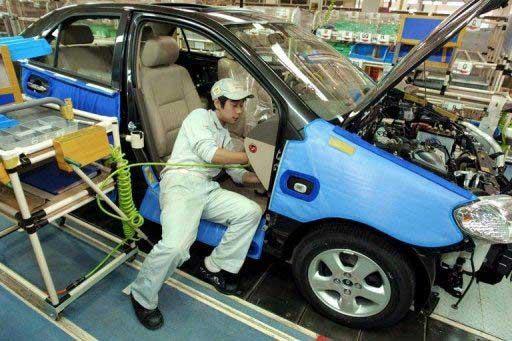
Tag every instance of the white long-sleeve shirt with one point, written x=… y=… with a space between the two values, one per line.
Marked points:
x=200 y=135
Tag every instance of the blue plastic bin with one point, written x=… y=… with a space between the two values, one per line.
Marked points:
x=6 y=122
x=368 y=51
x=25 y=48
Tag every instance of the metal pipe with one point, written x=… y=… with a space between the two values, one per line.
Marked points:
x=32 y=103
x=42 y=157
x=10 y=212
x=6 y=154
x=34 y=239
x=69 y=209
x=93 y=229
x=455 y=95
x=8 y=230
x=64 y=202
x=485 y=92
x=115 y=134
x=98 y=276
x=96 y=189
x=21 y=280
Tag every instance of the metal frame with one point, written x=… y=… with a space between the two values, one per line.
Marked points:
x=50 y=302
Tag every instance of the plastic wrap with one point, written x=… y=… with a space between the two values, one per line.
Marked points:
x=257 y=108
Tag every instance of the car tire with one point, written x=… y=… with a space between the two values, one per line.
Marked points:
x=379 y=294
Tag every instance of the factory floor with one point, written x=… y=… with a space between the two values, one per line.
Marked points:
x=270 y=306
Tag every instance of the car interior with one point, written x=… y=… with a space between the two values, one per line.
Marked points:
x=81 y=52
x=175 y=72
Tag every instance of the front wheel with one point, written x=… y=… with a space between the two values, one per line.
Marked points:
x=354 y=277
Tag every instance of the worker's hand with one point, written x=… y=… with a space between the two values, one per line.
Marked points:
x=250 y=178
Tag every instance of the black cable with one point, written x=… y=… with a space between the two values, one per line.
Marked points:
x=456 y=305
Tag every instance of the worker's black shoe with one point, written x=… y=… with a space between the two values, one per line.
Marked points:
x=223 y=281
x=150 y=318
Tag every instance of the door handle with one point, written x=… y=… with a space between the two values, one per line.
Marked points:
x=37 y=87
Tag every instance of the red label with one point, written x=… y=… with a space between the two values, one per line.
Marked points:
x=253 y=148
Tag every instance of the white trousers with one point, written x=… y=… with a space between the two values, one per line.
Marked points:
x=185 y=199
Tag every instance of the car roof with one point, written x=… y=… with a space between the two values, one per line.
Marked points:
x=222 y=15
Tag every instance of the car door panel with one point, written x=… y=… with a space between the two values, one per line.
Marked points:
x=38 y=82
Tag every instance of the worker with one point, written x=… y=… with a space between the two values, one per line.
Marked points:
x=188 y=194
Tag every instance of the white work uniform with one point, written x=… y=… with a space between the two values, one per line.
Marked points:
x=188 y=195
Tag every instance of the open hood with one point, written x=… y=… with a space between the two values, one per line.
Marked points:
x=442 y=34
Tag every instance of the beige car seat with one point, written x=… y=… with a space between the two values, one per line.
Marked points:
x=168 y=91
x=78 y=54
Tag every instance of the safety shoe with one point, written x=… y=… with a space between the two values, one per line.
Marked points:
x=225 y=282
x=150 y=318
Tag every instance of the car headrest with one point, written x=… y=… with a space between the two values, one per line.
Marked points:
x=77 y=34
x=160 y=51
x=161 y=29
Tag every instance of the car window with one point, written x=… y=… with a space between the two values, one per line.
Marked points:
x=198 y=43
x=85 y=47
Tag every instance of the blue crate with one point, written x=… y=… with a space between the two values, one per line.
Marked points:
x=25 y=48
x=368 y=51
x=6 y=122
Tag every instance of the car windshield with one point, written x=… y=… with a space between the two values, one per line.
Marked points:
x=326 y=81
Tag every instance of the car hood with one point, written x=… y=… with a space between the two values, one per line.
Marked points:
x=442 y=34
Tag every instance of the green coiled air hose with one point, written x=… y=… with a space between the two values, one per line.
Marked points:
x=134 y=220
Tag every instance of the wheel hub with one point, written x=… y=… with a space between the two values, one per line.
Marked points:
x=343 y=286
x=347 y=282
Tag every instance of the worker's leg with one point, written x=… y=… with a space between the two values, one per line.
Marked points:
x=242 y=216
x=182 y=199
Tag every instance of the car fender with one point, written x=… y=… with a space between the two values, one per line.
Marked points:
x=332 y=173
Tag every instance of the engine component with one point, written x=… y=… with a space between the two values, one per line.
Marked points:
x=459 y=152
x=450 y=278
x=434 y=159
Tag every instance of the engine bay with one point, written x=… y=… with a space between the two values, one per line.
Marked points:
x=438 y=141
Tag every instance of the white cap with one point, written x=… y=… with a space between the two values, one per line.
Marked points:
x=229 y=88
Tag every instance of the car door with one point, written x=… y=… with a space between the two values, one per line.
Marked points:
x=84 y=64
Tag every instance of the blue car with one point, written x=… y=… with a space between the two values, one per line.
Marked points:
x=372 y=194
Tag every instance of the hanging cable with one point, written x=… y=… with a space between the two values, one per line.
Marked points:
x=456 y=305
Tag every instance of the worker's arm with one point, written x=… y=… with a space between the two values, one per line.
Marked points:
x=225 y=157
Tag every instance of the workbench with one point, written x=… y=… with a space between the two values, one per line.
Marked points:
x=25 y=147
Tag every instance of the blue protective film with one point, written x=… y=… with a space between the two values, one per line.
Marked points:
x=85 y=96
x=362 y=183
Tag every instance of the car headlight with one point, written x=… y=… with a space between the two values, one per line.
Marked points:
x=490 y=218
